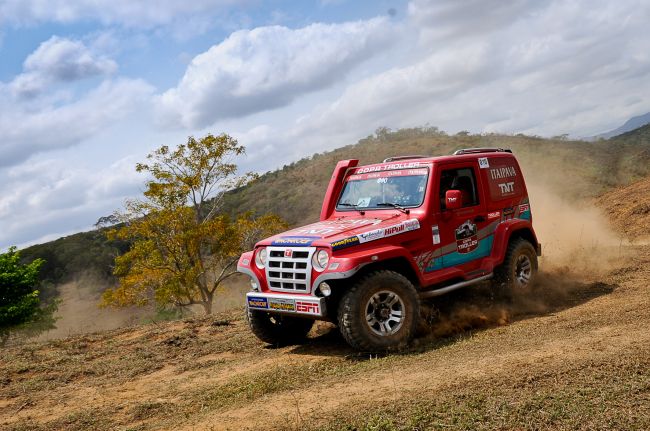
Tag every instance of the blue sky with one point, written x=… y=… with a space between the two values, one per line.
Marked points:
x=89 y=87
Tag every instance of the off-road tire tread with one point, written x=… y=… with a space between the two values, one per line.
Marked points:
x=293 y=330
x=502 y=273
x=353 y=334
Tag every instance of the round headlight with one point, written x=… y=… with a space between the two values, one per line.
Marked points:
x=325 y=289
x=260 y=258
x=320 y=260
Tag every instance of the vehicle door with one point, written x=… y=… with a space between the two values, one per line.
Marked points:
x=463 y=231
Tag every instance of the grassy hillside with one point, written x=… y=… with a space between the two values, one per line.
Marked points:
x=577 y=168
x=574 y=355
x=85 y=253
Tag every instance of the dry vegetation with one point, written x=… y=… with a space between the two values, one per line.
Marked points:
x=573 y=354
x=628 y=208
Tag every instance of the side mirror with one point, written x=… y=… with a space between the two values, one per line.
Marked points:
x=453 y=199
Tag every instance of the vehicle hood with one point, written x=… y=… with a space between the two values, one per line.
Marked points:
x=354 y=229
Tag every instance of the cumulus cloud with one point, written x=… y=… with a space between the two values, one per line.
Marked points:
x=400 y=92
x=59 y=60
x=125 y=12
x=268 y=67
x=46 y=196
x=26 y=131
x=560 y=67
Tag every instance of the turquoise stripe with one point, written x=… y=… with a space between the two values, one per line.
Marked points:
x=452 y=259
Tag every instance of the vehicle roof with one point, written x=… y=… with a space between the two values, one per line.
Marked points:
x=427 y=160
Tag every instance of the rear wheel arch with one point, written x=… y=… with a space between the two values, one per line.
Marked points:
x=508 y=232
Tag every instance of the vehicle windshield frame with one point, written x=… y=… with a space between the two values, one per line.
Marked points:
x=352 y=207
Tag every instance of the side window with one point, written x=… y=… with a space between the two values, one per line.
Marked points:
x=462 y=179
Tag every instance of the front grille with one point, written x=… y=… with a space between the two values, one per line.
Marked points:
x=289 y=273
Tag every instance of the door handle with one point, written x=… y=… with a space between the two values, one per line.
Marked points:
x=479 y=219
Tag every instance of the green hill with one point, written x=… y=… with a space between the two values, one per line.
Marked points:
x=576 y=169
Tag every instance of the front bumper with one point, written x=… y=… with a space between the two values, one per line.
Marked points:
x=286 y=304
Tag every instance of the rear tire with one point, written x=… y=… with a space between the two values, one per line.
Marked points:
x=278 y=329
x=517 y=273
x=380 y=312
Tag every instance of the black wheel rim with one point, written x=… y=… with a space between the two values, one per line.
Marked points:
x=523 y=270
x=385 y=313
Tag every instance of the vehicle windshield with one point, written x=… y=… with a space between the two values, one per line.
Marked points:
x=380 y=190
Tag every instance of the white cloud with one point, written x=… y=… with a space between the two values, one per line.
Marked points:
x=49 y=195
x=561 y=67
x=268 y=67
x=26 y=130
x=125 y=12
x=545 y=69
x=467 y=18
x=59 y=60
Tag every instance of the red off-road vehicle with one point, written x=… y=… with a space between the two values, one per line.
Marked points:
x=389 y=235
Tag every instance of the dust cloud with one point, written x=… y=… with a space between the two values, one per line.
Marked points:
x=575 y=235
x=79 y=312
x=579 y=248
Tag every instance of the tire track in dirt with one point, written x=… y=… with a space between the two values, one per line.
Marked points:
x=600 y=328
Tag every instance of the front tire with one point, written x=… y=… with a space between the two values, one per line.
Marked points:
x=278 y=329
x=519 y=269
x=379 y=312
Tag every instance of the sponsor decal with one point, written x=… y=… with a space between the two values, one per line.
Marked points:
x=503 y=172
x=503 y=179
x=245 y=262
x=296 y=241
x=494 y=215
x=435 y=232
x=405 y=226
x=382 y=176
x=466 y=237
x=371 y=236
x=365 y=170
x=282 y=304
x=345 y=242
x=483 y=163
x=309 y=307
x=523 y=208
x=257 y=302
x=507 y=188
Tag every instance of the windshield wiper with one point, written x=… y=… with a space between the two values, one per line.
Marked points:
x=394 y=205
x=347 y=204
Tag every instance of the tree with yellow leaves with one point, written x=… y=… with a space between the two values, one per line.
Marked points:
x=183 y=248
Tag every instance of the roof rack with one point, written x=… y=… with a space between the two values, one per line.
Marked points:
x=392 y=159
x=481 y=150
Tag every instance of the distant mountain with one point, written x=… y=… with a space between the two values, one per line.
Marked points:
x=631 y=124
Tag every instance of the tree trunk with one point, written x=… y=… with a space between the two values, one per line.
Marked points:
x=207 y=304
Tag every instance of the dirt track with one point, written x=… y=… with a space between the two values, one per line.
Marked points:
x=573 y=354
x=212 y=374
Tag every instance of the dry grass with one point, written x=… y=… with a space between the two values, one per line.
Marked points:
x=575 y=357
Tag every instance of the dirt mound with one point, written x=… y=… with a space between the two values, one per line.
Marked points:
x=628 y=209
